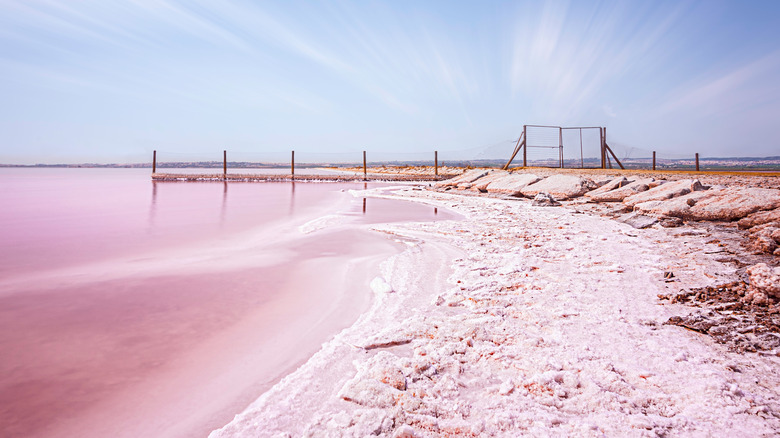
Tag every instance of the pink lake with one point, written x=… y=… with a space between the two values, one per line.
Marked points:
x=132 y=308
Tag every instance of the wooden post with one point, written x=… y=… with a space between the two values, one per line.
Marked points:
x=653 y=160
x=697 y=161
x=436 y=162
x=292 y=165
x=365 y=176
x=604 y=147
x=525 y=149
x=154 y=162
x=224 y=164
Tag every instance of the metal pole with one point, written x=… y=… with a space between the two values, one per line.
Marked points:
x=582 y=155
x=560 y=146
x=436 y=162
x=697 y=161
x=525 y=149
x=653 y=160
x=224 y=164
x=292 y=165
x=154 y=162
x=365 y=176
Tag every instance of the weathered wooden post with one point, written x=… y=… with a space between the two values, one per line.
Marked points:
x=697 y=161
x=365 y=175
x=653 y=160
x=292 y=165
x=604 y=148
x=525 y=148
x=436 y=163
x=224 y=164
x=154 y=162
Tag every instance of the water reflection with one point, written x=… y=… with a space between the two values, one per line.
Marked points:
x=292 y=197
x=153 y=206
x=224 y=205
x=364 y=205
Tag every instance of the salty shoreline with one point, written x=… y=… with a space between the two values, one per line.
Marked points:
x=548 y=322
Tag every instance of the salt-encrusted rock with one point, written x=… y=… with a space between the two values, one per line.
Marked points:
x=380 y=286
x=765 y=279
x=377 y=383
x=764 y=238
x=637 y=220
x=676 y=207
x=406 y=431
x=482 y=183
x=669 y=190
x=613 y=184
x=734 y=203
x=759 y=218
x=623 y=192
x=544 y=200
x=762 y=243
x=560 y=187
x=601 y=181
x=512 y=185
x=468 y=176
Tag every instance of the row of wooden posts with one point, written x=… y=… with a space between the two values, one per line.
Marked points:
x=365 y=171
x=292 y=163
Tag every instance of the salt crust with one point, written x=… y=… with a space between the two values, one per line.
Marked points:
x=524 y=321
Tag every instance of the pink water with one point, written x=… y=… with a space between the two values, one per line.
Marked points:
x=129 y=308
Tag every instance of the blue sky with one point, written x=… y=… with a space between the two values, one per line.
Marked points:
x=110 y=81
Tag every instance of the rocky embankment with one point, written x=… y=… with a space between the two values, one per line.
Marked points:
x=740 y=213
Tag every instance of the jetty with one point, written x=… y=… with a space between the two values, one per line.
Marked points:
x=346 y=177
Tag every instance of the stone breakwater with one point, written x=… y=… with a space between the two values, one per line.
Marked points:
x=548 y=324
x=647 y=200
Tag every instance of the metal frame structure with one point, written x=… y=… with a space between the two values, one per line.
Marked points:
x=522 y=143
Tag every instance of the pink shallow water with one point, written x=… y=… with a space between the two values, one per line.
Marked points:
x=109 y=328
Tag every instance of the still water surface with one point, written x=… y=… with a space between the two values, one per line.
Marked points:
x=132 y=308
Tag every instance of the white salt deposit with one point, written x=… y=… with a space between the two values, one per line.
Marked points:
x=380 y=286
x=525 y=321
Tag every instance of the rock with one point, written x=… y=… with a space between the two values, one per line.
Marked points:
x=734 y=203
x=512 y=184
x=601 y=181
x=482 y=183
x=544 y=200
x=764 y=238
x=377 y=382
x=675 y=207
x=665 y=191
x=765 y=279
x=468 y=176
x=670 y=222
x=637 y=220
x=761 y=243
x=759 y=218
x=406 y=431
x=560 y=187
x=623 y=192
x=613 y=184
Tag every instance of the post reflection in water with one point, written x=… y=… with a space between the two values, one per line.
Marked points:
x=364 y=205
x=224 y=204
x=435 y=211
x=153 y=206
x=292 y=197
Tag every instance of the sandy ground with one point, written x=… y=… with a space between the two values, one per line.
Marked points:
x=522 y=320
